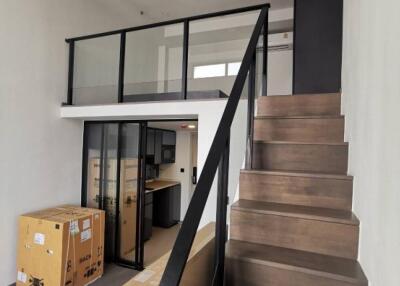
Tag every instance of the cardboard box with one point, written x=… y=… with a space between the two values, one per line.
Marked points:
x=128 y=207
x=62 y=246
x=128 y=181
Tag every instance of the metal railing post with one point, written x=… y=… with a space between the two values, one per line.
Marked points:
x=121 y=71
x=220 y=227
x=185 y=57
x=71 y=72
x=183 y=244
x=265 y=59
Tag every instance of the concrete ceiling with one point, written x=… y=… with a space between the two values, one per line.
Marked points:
x=160 y=10
x=174 y=125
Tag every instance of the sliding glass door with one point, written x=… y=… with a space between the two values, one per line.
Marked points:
x=111 y=181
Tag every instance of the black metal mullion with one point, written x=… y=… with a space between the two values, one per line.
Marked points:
x=265 y=59
x=101 y=162
x=185 y=57
x=117 y=196
x=220 y=227
x=71 y=62
x=85 y=153
x=121 y=68
x=141 y=187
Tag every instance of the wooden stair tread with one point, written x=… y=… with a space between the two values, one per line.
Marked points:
x=343 y=269
x=297 y=211
x=299 y=117
x=299 y=174
x=302 y=94
x=301 y=142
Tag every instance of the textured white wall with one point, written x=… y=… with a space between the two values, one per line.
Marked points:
x=371 y=101
x=40 y=153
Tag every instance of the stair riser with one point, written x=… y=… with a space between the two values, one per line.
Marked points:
x=253 y=274
x=300 y=157
x=306 y=105
x=323 y=130
x=322 y=237
x=306 y=191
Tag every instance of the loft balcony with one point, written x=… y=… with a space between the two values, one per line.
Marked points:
x=185 y=59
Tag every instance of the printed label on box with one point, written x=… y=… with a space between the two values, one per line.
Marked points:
x=74 y=227
x=21 y=277
x=86 y=223
x=39 y=238
x=86 y=234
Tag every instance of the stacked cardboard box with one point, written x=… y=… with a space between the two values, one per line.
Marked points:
x=128 y=179
x=128 y=208
x=60 y=246
x=127 y=201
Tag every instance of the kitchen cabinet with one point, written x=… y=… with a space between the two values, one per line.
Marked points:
x=176 y=203
x=161 y=146
x=148 y=216
x=157 y=146
x=168 y=137
x=167 y=206
x=150 y=141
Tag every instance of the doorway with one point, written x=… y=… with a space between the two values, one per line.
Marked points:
x=113 y=164
x=142 y=174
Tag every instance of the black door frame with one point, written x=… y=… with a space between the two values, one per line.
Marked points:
x=138 y=264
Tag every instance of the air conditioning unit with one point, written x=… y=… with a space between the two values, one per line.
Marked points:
x=278 y=42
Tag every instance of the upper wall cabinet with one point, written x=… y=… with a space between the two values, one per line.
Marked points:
x=168 y=137
x=161 y=146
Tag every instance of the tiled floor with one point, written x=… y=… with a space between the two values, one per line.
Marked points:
x=160 y=243
x=115 y=275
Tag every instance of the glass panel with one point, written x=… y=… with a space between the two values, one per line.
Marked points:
x=93 y=133
x=153 y=63
x=215 y=43
x=96 y=70
x=109 y=186
x=128 y=191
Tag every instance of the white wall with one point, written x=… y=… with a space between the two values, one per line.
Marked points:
x=280 y=72
x=40 y=153
x=182 y=160
x=371 y=101
x=208 y=113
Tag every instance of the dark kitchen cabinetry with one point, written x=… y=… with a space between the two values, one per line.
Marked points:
x=168 y=138
x=157 y=147
x=161 y=145
x=167 y=206
x=148 y=216
x=150 y=142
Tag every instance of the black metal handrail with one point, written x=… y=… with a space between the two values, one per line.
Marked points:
x=122 y=32
x=217 y=155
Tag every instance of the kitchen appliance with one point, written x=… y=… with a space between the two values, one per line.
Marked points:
x=168 y=153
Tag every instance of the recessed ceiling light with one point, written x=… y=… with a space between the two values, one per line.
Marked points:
x=191 y=126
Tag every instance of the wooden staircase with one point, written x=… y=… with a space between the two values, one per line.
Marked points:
x=293 y=224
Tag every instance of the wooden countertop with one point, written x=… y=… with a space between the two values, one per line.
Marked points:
x=157 y=185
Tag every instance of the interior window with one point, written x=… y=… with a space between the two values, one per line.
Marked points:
x=209 y=71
